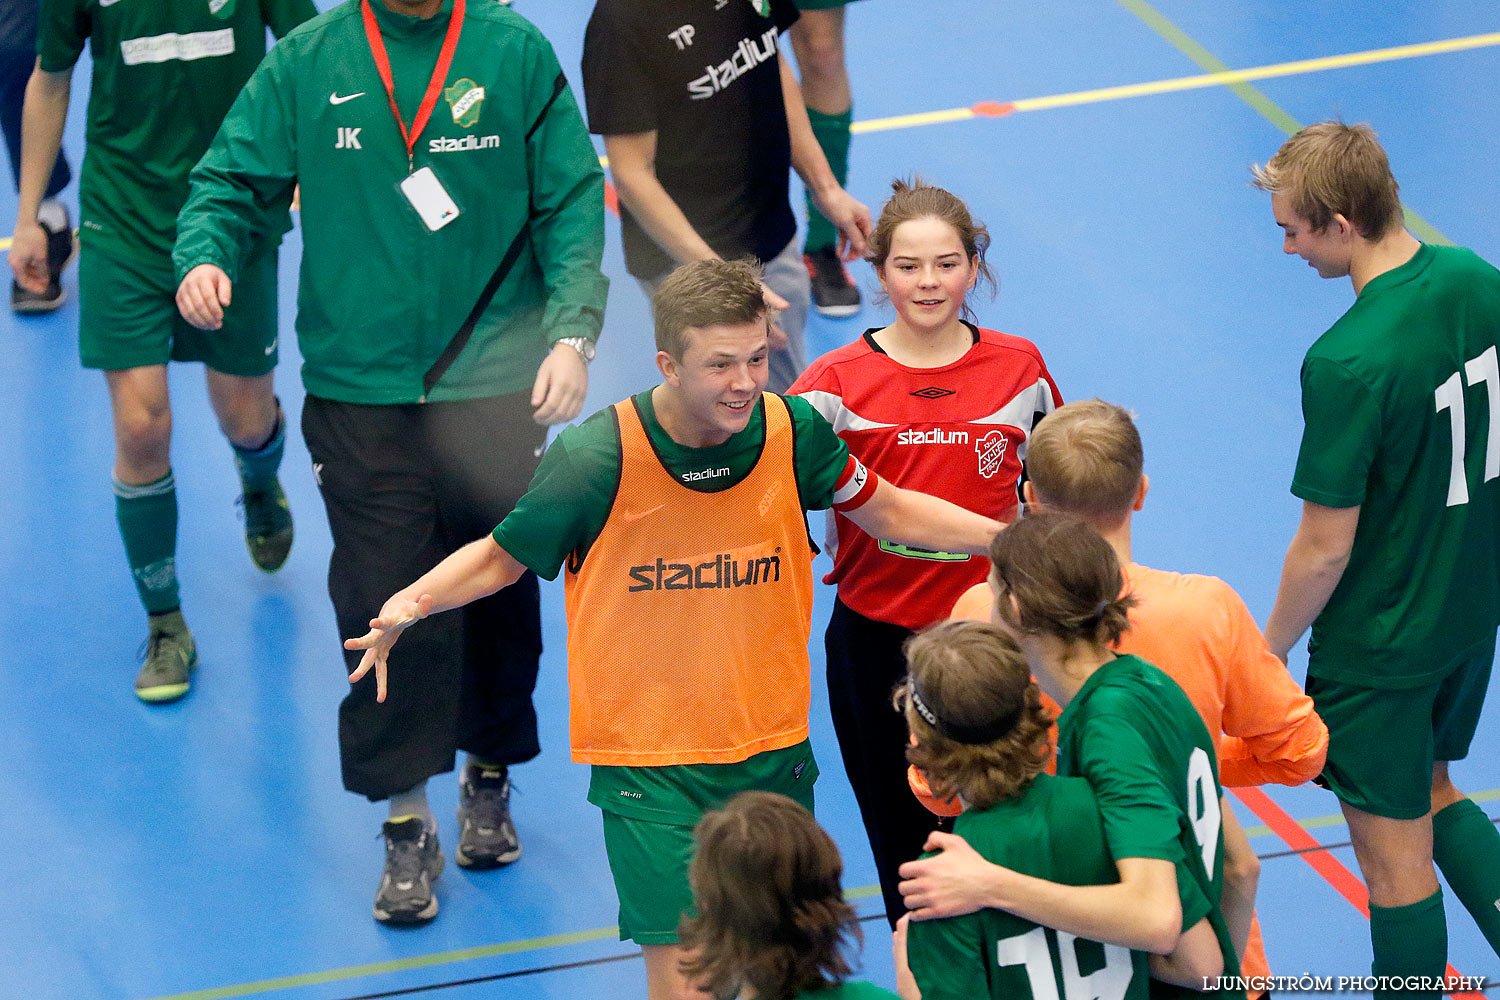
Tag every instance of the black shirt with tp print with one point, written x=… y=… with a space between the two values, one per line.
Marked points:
x=705 y=76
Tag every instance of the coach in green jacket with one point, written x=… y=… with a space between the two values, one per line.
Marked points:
x=452 y=221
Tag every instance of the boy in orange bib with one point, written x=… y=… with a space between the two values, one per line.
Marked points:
x=679 y=515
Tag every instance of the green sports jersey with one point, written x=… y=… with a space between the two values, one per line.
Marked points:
x=165 y=72
x=573 y=489
x=1144 y=749
x=1052 y=831
x=1401 y=402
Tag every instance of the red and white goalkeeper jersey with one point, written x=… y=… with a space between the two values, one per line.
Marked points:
x=958 y=432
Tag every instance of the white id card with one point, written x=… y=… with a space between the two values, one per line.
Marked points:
x=430 y=199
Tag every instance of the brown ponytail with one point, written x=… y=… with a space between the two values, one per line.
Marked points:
x=1057 y=577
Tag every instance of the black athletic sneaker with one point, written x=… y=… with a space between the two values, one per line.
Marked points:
x=61 y=246
x=486 y=836
x=268 y=525
x=833 y=292
x=413 y=861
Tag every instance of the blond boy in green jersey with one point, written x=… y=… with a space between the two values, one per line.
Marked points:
x=1396 y=562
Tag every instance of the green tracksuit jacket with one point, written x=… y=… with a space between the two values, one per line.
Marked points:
x=381 y=296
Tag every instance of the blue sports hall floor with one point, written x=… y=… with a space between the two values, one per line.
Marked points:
x=206 y=849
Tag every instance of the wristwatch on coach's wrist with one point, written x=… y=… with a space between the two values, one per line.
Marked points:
x=583 y=345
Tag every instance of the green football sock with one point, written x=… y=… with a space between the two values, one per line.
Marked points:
x=148 y=525
x=832 y=133
x=1466 y=847
x=259 y=465
x=1409 y=941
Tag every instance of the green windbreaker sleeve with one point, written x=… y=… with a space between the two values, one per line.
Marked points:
x=240 y=190
x=567 y=202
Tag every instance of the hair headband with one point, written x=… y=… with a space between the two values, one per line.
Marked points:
x=970 y=735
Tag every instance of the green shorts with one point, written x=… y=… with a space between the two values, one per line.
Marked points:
x=127 y=317
x=1382 y=743
x=649 y=857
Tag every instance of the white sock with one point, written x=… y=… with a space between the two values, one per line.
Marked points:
x=53 y=215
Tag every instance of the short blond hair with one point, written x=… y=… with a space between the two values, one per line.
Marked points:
x=1085 y=458
x=705 y=293
x=1332 y=169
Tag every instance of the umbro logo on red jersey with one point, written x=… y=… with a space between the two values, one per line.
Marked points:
x=933 y=392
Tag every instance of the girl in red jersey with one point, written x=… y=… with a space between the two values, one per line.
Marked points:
x=930 y=402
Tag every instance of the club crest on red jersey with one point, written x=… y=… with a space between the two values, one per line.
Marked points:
x=991 y=450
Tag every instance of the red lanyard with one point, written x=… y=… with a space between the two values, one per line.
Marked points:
x=439 y=72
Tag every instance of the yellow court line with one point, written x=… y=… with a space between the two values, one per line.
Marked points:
x=538 y=944
x=1219 y=76
x=1337 y=819
x=429 y=960
x=1227 y=77
x=1267 y=108
x=912 y=121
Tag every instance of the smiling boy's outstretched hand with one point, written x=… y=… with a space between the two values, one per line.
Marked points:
x=396 y=617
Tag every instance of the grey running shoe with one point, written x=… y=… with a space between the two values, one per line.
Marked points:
x=413 y=861
x=23 y=300
x=171 y=657
x=486 y=835
x=62 y=246
x=268 y=526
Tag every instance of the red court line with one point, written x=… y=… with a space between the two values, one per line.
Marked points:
x=993 y=109
x=1322 y=861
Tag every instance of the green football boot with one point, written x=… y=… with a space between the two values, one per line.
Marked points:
x=171 y=658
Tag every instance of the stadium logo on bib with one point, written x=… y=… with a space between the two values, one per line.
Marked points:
x=465 y=97
x=762 y=7
x=723 y=572
x=221 y=9
x=991 y=450
x=773 y=491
